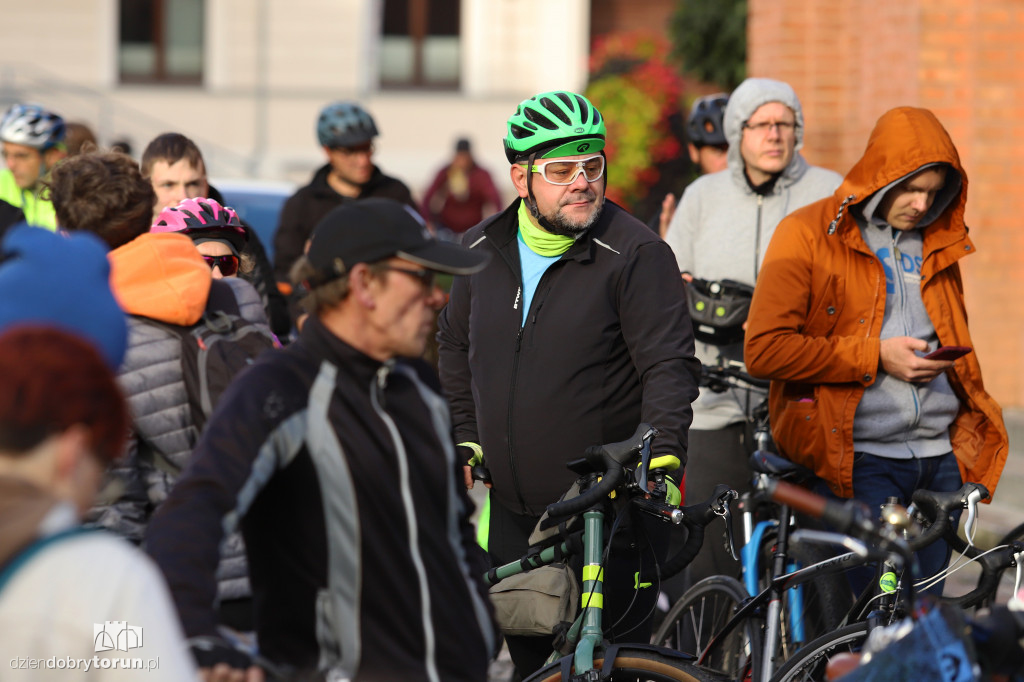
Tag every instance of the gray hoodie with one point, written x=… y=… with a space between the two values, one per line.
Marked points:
x=722 y=227
x=895 y=418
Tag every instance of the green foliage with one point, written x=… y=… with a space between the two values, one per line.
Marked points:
x=709 y=38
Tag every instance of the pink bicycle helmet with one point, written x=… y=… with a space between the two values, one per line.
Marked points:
x=203 y=220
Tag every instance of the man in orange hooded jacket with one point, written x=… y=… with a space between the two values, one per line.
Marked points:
x=854 y=290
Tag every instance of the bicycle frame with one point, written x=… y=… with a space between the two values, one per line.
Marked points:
x=779 y=584
x=751 y=562
x=592 y=595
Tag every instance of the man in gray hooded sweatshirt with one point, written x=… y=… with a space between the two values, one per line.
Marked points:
x=720 y=231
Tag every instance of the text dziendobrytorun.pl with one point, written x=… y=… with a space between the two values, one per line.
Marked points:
x=84 y=664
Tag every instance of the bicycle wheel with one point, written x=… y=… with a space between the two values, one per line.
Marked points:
x=640 y=664
x=825 y=599
x=809 y=663
x=701 y=613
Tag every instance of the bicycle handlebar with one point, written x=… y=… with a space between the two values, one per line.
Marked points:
x=718 y=378
x=696 y=518
x=609 y=460
x=851 y=517
x=938 y=506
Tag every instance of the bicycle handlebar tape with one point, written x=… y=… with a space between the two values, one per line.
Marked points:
x=937 y=507
x=592 y=496
x=850 y=516
x=696 y=518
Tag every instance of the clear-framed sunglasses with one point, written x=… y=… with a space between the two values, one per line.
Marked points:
x=565 y=172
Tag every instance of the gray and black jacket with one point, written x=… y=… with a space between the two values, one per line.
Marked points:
x=164 y=434
x=607 y=344
x=341 y=472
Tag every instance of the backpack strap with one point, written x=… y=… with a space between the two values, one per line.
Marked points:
x=8 y=569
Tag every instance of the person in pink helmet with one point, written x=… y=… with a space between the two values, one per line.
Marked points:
x=216 y=231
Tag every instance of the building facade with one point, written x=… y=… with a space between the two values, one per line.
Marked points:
x=246 y=78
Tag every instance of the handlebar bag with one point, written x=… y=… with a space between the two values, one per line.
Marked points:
x=718 y=310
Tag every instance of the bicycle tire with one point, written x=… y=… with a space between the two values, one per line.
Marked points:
x=809 y=663
x=639 y=665
x=826 y=599
x=701 y=613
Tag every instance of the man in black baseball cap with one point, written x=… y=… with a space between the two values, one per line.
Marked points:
x=375 y=229
x=335 y=457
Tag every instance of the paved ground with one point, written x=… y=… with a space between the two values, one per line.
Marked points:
x=1005 y=512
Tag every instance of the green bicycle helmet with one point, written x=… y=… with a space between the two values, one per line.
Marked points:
x=556 y=123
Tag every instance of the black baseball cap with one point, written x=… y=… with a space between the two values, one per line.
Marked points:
x=373 y=229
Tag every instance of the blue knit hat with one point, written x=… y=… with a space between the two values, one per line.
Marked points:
x=63 y=281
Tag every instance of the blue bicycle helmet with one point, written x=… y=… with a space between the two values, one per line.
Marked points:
x=345 y=124
x=32 y=126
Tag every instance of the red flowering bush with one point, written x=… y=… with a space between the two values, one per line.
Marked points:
x=636 y=90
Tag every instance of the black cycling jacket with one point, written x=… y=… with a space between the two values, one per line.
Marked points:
x=342 y=473
x=607 y=344
x=304 y=209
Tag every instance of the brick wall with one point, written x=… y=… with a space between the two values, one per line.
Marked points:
x=619 y=16
x=964 y=60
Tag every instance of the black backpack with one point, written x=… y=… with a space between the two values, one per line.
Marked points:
x=215 y=349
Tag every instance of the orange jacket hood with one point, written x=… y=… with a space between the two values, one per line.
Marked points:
x=903 y=140
x=161 y=276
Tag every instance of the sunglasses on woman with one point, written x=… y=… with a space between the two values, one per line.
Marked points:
x=228 y=264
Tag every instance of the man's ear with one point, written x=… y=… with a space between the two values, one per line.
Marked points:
x=361 y=284
x=69 y=447
x=518 y=174
x=205 y=178
x=694 y=152
x=52 y=156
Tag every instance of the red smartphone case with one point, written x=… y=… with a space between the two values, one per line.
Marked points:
x=948 y=353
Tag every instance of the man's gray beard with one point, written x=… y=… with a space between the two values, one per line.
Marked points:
x=561 y=226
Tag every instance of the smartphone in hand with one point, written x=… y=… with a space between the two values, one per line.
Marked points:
x=948 y=353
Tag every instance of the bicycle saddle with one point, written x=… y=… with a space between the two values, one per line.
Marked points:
x=763 y=462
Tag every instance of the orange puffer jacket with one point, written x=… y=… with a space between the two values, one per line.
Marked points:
x=819 y=304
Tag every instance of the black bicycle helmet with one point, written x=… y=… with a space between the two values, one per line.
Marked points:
x=345 y=124
x=704 y=127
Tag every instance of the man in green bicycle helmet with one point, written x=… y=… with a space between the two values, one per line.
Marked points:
x=568 y=127
x=576 y=332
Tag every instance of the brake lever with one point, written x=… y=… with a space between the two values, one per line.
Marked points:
x=973 y=498
x=645 y=456
x=722 y=510
x=1016 y=601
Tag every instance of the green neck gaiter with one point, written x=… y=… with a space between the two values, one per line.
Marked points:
x=540 y=242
